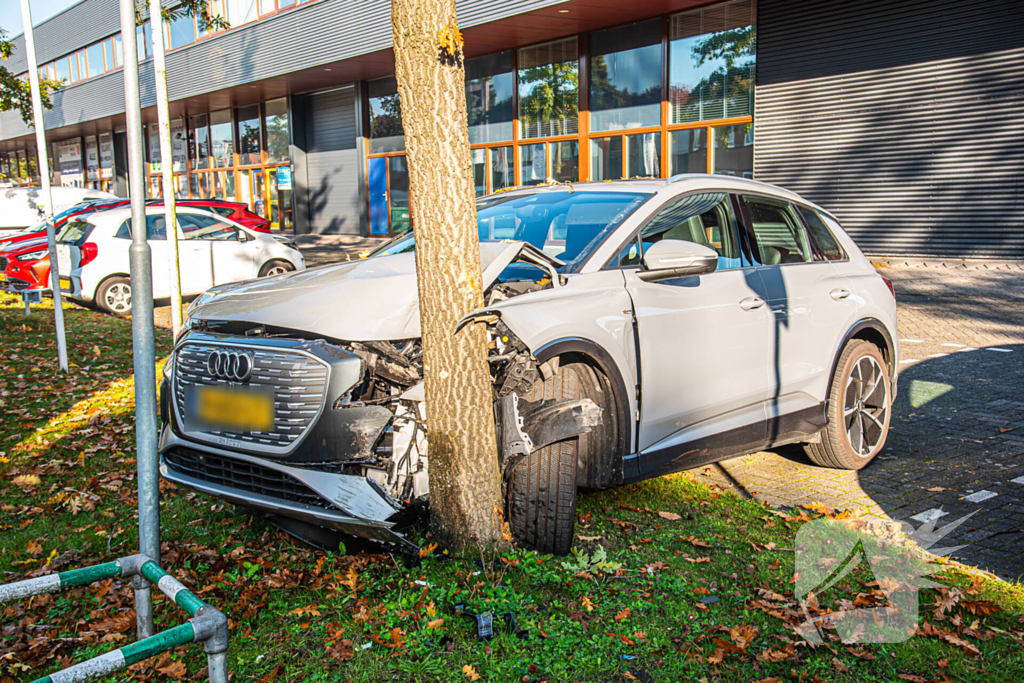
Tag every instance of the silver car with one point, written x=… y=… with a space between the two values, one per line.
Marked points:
x=636 y=328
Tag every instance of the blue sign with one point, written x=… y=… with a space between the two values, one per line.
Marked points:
x=284 y=177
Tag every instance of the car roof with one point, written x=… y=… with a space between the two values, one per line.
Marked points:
x=685 y=182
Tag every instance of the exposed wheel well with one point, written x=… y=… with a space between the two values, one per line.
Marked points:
x=874 y=336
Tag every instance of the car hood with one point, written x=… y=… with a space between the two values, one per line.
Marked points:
x=365 y=300
x=22 y=246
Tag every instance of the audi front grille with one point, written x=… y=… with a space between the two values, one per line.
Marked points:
x=244 y=476
x=297 y=380
x=4 y=262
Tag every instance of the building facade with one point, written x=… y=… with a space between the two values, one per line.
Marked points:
x=900 y=117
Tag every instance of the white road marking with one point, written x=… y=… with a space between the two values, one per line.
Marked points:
x=911 y=341
x=938 y=355
x=993 y=348
x=909 y=360
x=979 y=496
x=956 y=345
x=929 y=515
x=1018 y=480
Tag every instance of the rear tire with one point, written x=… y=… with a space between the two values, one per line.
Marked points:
x=276 y=267
x=859 y=409
x=115 y=296
x=542 y=488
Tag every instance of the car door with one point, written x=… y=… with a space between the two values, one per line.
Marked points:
x=156 y=236
x=810 y=304
x=195 y=255
x=702 y=340
x=226 y=257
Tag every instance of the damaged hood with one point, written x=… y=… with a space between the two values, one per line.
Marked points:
x=372 y=299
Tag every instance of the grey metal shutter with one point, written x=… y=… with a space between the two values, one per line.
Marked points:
x=903 y=118
x=332 y=162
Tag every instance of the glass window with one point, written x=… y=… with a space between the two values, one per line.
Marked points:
x=779 y=233
x=78 y=71
x=644 y=155
x=824 y=241
x=398 y=194
x=606 y=159
x=277 y=130
x=215 y=8
x=182 y=31
x=94 y=59
x=241 y=11
x=533 y=168
x=143 y=41
x=156 y=228
x=386 y=134
x=565 y=161
x=549 y=89
x=248 y=134
x=502 y=168
x=625 y=77
x=711 y=63
x=61 y=69
x=267 y=6
x=222 y=146
x=478 y=158
x=689 y=151
x=704 y=219
x=108 y=54
x=198 y=227
x=489 y=85
x=198 y=142
x=566 y=225
x=734 y=150
x=285 y=3
x=154 y=149
x=118 y=52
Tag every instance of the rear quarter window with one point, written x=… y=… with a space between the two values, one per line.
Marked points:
x=75 y=231
x=825 y=242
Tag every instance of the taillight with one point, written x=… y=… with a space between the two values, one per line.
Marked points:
x=90 y=251
x=888 y=283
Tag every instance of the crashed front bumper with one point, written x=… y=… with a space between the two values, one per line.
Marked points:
x=347 y=503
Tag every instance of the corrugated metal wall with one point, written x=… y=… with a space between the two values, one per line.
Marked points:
x=332 y=162
x=307 y=36
x=904 y=117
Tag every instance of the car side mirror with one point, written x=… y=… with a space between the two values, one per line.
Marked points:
x=677 y=258
x=242 y=235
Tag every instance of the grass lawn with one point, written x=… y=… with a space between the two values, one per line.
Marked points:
x=672 y=581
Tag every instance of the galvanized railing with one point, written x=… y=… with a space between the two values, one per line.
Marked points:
x=207 y=625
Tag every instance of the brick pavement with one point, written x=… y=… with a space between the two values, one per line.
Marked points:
x=956 y=442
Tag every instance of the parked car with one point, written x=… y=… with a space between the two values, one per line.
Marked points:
x=19 y=206
x=93 y=254
x=636 y=328
x=24 y=265
x=235 y=211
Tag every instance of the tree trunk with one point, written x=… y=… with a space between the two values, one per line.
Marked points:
x=463 y=464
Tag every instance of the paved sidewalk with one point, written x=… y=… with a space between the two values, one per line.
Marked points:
x=956 y=444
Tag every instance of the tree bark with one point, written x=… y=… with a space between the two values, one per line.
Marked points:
x=463 y=464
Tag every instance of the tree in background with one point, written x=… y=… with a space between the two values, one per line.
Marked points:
x=465 y=490
x=15 y=94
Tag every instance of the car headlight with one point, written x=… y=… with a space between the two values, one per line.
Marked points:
x=169 y=366
x=32 y=255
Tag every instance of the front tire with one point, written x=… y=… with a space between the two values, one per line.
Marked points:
x=542 y=488
x=276 y=267
x=860 y=407
x=115 y=296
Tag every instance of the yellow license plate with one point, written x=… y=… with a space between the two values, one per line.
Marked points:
x=234 y=409
x=65 y=282
x=3 y=276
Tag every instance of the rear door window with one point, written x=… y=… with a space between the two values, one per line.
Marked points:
x=778 y=230
x=156 y=229
x=198 y=227
x=826 y=246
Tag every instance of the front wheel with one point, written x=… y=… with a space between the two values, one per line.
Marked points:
x=115 y=296
x=859 y=409
x=276 y=267
x=542 y=488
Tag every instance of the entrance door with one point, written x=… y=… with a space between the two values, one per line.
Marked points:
x=378 y=195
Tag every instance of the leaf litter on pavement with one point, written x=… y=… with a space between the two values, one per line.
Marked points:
x=669 y=580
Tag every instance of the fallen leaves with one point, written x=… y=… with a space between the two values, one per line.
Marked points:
x=670 y=516
x=470 y=673
x=26 y=481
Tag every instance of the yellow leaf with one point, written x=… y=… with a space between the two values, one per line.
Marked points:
x=623 y=614
x=310 y=610
x=470 y=673
x=26 y=481
x=427 y=550
x=435 y=623
x=670 y=516
x=449 y=39
x=588 y=604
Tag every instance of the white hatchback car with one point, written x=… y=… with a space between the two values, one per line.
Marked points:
x=92 y=251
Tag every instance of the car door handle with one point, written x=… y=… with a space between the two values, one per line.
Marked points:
x=839 y=294
x=751 y=303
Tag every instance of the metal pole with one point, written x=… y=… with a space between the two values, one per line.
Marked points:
x=43 y=163
x=166 y=162
x=143 y=340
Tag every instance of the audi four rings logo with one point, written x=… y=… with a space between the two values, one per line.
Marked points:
x=230 y=365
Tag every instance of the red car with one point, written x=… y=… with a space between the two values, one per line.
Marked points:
x=25 y=265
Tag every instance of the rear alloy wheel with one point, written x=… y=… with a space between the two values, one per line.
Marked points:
x=276 y=267
x=859 y=410
x=542 y=488
x=115 y=296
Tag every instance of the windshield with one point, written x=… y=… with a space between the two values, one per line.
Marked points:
x=564 y=224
